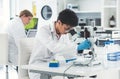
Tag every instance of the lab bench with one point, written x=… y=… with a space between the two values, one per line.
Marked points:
x=108 y=71
x=101 y=71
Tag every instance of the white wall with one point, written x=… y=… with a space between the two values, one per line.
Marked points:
x=1 y=12
x=27 y=4
x=61 y=5
x=13 y=8
x=17 y=6
x=4 y=13
x=24 y=4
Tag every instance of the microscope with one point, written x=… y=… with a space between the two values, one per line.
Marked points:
x=87 y=57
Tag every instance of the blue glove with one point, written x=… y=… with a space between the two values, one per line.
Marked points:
x=84 y=45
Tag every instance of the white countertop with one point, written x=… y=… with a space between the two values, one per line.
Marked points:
x=74 y=70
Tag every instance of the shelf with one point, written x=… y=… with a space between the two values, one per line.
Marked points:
x=110 y=6
x=87 y=11
x=110 y=2
x=108 y=28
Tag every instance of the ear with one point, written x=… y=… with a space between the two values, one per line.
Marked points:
x=59 y=22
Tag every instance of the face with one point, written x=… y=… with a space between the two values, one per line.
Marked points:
x=26 y=20
x=63 y=28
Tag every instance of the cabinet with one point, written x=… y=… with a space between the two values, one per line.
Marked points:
x=87 y=10
x=110 y=8
x=99 y=11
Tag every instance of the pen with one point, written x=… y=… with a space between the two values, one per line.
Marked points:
x=72 y=59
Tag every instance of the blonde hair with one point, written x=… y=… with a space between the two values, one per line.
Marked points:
x=26 y=13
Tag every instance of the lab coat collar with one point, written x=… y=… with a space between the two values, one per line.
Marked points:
x=18 y=19
x=52 y=29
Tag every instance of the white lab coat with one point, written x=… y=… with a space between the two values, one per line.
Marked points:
x=16 y=31
x=48 y=45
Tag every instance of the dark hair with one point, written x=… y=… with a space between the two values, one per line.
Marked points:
x=26 y=13
x=68 y=17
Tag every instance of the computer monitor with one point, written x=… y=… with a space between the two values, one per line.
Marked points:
x=31 y=32
x=33 y=24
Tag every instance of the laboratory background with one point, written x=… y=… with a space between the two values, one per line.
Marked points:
x=98 y=22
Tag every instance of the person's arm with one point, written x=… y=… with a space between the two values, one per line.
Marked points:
x=54 y=46
x=17 y=31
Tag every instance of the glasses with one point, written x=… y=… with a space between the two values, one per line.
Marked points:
x=67 y=28
x=29 y=18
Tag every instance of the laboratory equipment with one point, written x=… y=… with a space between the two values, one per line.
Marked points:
x=84 y=59
x=84 y=45
x=46 y=12
x=54 y=63
x=74 y=7
x=116 y=34
x=112 y=22
x=82 y=22
x=87 y=57
x=112 y=54
x=105 y=35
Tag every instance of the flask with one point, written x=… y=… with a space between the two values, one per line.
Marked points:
x=112 y=21
x=86 y=33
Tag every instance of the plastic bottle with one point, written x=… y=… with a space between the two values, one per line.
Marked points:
x=112 y=52
x=106 y=52
x=116 y=51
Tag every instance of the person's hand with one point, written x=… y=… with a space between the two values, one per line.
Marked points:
x=84 y=45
